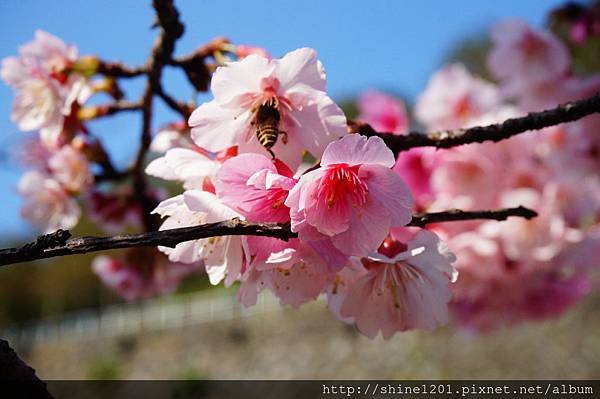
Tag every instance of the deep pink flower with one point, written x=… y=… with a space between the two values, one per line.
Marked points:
x=141 y=273
x=256 y=187
x=114 y=210
x=353 y=198
x=415 y=167
x=383 y=112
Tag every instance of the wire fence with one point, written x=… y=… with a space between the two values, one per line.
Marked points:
x=128 y=319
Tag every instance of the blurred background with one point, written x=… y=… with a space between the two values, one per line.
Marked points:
x=68 y=326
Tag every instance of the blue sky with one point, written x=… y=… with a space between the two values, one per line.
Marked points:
x=392 y=45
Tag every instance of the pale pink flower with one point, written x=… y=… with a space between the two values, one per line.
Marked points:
x=222 y=256
x=47 y=204
x=401 y=287
x=557 y=91
x=295 y=84
x=71 y=169
x=295 y=276
x=383 y=112
x=141 y=273
x=174 y=135
x=45 y=93
x=453 y=98
x=244 y=50
x=523 y=57
x=541 y=238
x=256 y=187
x=472 y=177
x=32 y=153
x=494 y=291
x=194 y=166
x=353 y=197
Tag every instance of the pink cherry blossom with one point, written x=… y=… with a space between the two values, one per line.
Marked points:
x=415 y=168
x=295 y=276
x=223 y=256
x=401 y=287
x=383 y=112
x=506 y=292
x=45 y=93
x=523 y=57
x=71 y=169
x=141 y=273
x=115 y=210
x=194 y=168
x=295 y=84
x=256 y=187
x=244 y=50
x=174 y=135
x=353 y=198
x=184 y=161
x=47 y=204
x=453 y=98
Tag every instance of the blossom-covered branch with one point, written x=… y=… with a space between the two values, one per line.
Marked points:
x=563 y=113
x=251 y=213
x=59 y=243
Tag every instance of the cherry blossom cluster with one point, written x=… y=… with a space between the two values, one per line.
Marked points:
x=345 y=209
x=520 y=269
x=67 y=166
x=52 y=84
x=272 y=147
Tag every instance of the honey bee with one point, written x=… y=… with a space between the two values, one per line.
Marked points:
x=266 y=121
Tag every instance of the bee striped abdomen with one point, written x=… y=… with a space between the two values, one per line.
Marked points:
x=266 y=121
x=267 y=135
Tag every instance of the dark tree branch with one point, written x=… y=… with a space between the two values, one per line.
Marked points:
x=57 y=244
x=180 y=107
x=171 y=29
x=15 y=371
x=567 y=112
x=98 y=111
x=194 y=65
x=455 y=215
x=119 y=70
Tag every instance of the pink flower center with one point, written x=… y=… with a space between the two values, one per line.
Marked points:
x=391 y=247
x=463 y=107
x=269 y=88
x=341 y=183
x=531 y=45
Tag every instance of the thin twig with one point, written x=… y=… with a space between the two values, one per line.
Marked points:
x=180 y=107
x=119 y=70
x=567 y=112
x=56 y=244
x=455 y=215
x=171 y=29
